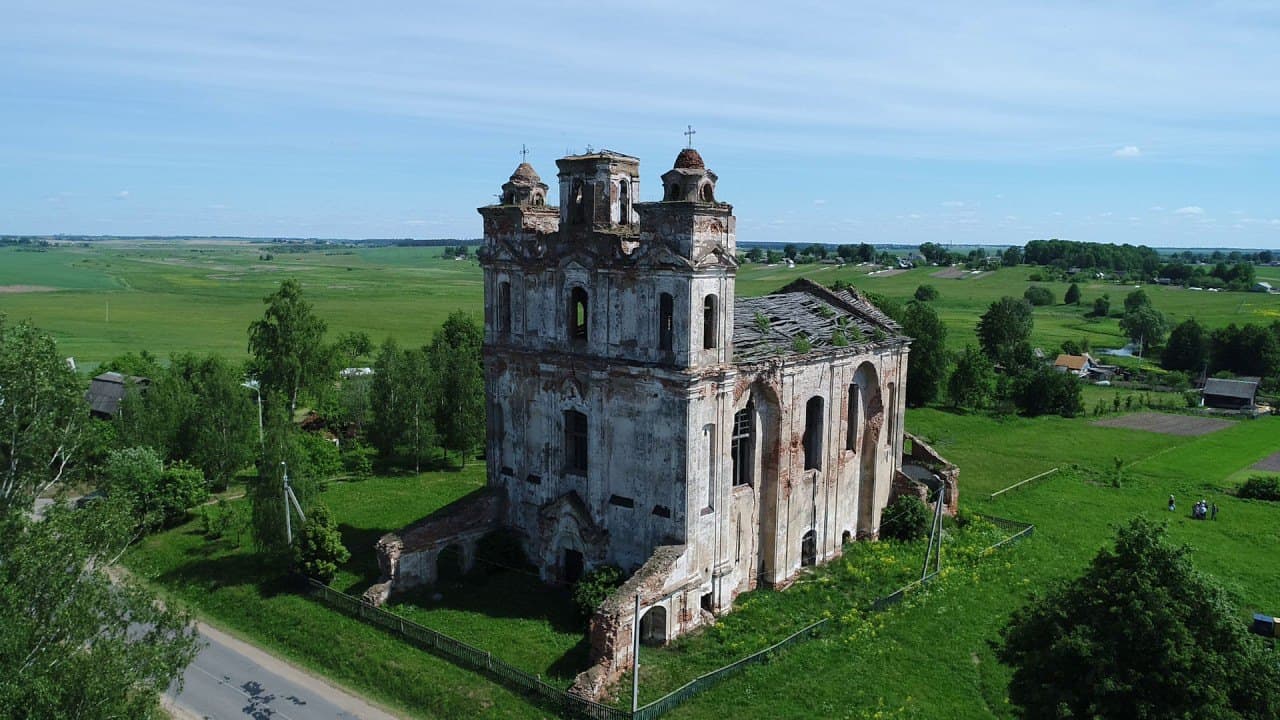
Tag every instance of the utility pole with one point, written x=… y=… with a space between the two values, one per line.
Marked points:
x=289 y=497
x=635 y=659
x=257 y=389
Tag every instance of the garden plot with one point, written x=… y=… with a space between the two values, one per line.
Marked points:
x=1167 y=424
x=1268 y=464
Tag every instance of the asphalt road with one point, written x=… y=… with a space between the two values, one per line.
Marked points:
x=232 y=679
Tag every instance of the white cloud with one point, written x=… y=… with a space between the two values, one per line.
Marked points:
x=1189 y=210
x=122 y=194
x=953 y=204
x=1128 y=151
x=819 y=203
x=1157 y=208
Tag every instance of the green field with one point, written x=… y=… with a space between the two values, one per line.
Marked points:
x=113 y=297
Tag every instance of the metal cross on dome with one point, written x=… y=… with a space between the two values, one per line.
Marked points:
x=689 y=133
x=524 y=153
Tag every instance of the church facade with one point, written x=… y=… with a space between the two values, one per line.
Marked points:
x=641 y=415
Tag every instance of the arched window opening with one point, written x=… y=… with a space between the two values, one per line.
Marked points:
x=666 y=322
x=575 y=443
x=813 y=417
x=744 y=441
x=809 y=549
x=851 y=433
x=708 y=195
x=504 y=307
x=653 y=627
x=575 y=203
x=578 y=314
x=624 y=203
x=710 y=322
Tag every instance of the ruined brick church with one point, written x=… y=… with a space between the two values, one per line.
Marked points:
x=642 y=415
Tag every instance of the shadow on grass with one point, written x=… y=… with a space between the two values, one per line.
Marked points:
x=210 y=572
x=496 y=597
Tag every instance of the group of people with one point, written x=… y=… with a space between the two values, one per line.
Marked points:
x=1202 y=510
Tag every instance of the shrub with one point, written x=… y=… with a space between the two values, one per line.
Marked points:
x=906 y=519
x=1038 y=295
x=320 y=550
x=1261 y=487
x=592 y=588
x=357 y=459
x=925 y=293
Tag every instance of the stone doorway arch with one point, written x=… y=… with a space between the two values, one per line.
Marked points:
x=653 y=626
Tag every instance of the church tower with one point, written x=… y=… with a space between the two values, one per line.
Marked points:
x=696 y=297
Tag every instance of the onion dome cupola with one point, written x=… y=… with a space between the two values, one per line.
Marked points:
x=689 y=180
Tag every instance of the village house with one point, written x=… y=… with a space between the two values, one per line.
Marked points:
x=642 y=415
x=1238 y=394
x=108 y=390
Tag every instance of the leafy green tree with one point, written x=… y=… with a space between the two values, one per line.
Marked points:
x=1136 y=299
x=158 y=496
x=972 y=383
x=455 y=351
x=1246 y=349
x=386 y=394
x=223 y=425
x=42 y=416
x=282 y=450
x=927 y=364
x=287 y=345
x=406 y=398
x=320 y=551
x=1004 y=327
x=73 y=642
x=790 y=251
x=421 y=381
x=1141 y=634
x=1101 y=306
x=197 y=411
x=1042 y=390
x=1188 y=347
x=1038 y=295
x=1145 y=325
x=926 y=293
x=352 y=347
x=1011 y=257
x=1073 y=295
x=905 y=519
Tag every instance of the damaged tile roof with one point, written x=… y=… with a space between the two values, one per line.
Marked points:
x=770 y=326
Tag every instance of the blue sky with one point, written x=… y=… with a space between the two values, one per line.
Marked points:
x=1155 y=123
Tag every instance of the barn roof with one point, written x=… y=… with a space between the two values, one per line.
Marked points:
x=108 y=389
x=1241 y=388
x=769 y=326
x=1071 y=362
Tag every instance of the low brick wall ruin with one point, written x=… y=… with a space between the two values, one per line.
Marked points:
x=924 y=456
x=614 y=624
x=409 y=557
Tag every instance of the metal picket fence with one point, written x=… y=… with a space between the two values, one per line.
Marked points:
x=565 y=704
x=572 y=706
